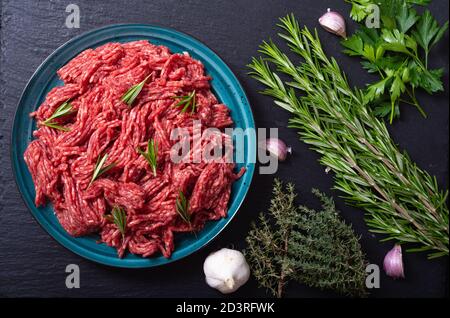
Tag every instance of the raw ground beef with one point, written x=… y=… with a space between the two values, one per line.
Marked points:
x=62 y=163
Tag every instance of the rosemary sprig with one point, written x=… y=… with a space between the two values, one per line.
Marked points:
x=403 y=202
x=63 y=110
x=129 y=97
x=182 y=208
x=150 y=154
x=100 y=168
x=186 y=102
x=119 y=218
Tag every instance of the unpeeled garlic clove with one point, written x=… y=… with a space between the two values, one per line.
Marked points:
x=393 y=262
x=333 y=22
x=277 y=148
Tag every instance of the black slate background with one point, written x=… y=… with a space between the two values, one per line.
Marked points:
x=33 y=264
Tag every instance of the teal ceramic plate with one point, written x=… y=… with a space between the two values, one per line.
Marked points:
x=225 y=86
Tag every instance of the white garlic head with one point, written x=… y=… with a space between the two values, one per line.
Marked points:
x=226 y=270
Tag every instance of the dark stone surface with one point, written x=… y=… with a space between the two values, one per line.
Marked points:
x=33 y=264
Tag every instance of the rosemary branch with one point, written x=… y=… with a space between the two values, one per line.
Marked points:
x=402 y=201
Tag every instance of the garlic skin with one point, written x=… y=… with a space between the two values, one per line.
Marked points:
x=393 y=262
x=226 y=270
x=333 y=22
x=277 y=148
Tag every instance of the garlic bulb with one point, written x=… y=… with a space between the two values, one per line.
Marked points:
x=226 y=270
x=333 y=22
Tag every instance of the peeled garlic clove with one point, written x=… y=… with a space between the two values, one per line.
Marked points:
x=277 y=148
x=333 y=22
x=226 y=270
x=393 y=262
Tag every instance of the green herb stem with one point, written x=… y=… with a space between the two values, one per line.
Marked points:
x=415 y=102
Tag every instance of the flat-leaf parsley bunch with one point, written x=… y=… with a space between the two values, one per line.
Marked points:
x=398 y=52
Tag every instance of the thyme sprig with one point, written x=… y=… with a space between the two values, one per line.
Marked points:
x=186 y=102
x=130 y=96
x=296 y=243
x=119 y=218
x=63 y=110
x=150 y=154
x=403 y=202
x=100 y=168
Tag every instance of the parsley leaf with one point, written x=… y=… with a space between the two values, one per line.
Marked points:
x=384 y=109
x=427 y=32
x=369 y=35
x=360 y=9
x=354 y=45
x=406 y=18
x=364 y=43
x=397 y=88
x=430 y=80
x=375 y=90
x=398 y=42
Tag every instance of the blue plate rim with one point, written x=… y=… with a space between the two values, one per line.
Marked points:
x=73 y=247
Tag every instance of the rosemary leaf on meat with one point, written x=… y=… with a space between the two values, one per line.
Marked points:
x=186 y=102
x=402 y=201
x=119 y=218
x=55 y=126
x=130 y=96
x=63 y=110
x=182 y=207
x=150 y=154
x=100 y=169
x=295 y=243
